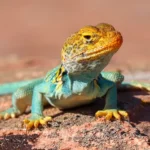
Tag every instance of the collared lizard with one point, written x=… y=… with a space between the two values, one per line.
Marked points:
x=78 y=80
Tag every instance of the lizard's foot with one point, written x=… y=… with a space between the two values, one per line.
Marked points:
x=9 y=113
x=110 y=113
x=35 y=121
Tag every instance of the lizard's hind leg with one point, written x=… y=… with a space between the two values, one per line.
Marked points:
x=134 y=85
x=20 y=100
x=118 y=78
x=115 y=77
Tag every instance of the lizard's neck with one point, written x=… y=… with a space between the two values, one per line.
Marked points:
x=84 y=76
x=78 y=81
x=82 y=81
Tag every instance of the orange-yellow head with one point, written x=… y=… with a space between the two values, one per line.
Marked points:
x=91 y=48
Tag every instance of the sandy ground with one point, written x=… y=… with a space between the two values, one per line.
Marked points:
x=31 y=36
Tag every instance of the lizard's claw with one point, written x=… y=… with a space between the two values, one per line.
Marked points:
x=110 y=113
x=9 y=113
x=35 y=123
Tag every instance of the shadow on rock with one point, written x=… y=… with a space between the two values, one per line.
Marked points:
x=129 y=101
x=14 y=142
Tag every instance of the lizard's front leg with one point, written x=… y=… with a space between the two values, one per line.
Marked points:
x=38 y=102
x=109 y=89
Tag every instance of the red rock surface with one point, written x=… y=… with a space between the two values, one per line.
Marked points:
x=77 y=128
x=31 y=37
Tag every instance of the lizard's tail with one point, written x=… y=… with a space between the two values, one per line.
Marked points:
x=134 y=86
x=9 y=88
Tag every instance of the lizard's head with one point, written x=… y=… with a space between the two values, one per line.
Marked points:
x=91 y=48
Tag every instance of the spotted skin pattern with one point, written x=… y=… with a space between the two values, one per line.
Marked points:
x=77 y=81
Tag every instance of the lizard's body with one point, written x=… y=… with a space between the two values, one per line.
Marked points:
x=77 y=81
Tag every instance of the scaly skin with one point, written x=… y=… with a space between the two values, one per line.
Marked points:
x=77 y=81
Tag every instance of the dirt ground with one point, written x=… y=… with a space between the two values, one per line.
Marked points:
x=31 y=36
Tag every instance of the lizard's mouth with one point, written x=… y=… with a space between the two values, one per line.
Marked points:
x=111 y=47
x=100 y=52
x=96 y=54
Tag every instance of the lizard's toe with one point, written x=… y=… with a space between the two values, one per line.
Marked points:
x=7 y=116
x=123 y=113
x=13 y=115
x=35 y=123
x=116 y=115
x=111 y=113
x=9 y=113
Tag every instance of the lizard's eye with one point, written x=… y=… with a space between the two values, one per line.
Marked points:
x=88 y=37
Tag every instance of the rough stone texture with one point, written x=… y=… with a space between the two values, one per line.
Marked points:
x=77 y=128
x=31 y=37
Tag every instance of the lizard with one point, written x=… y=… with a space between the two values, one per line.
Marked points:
x=78 y=80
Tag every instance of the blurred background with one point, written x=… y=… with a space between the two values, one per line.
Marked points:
x=37 y=29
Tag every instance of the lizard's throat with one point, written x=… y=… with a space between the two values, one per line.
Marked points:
x=74 y=67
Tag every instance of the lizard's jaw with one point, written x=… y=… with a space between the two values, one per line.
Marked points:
x=97 y=65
